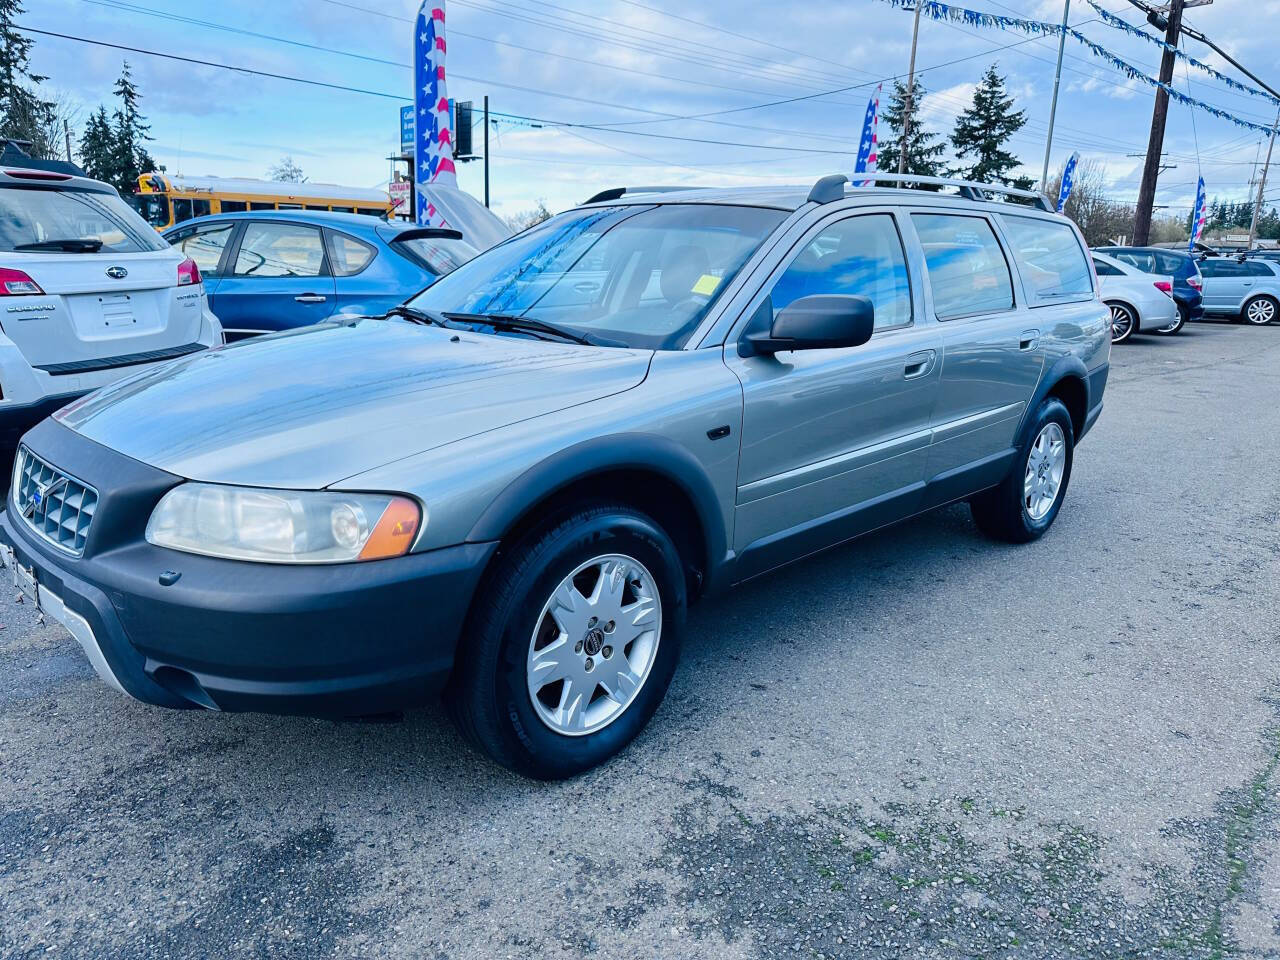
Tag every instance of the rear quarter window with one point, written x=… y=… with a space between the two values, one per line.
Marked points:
x=1051 y=260
x=1175 y=265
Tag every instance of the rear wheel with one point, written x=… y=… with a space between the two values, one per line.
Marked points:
x=1027 y=502
x=1123 y=322
x=1174 y=327
x=572 y=643
x=1260 y=311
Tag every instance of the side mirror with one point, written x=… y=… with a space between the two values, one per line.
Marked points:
x=819 y=322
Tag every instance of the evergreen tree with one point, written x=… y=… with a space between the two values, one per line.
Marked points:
x=924 y=154
x=130 y=136
x=982 y=131
x=98 y=146
x=23 y=115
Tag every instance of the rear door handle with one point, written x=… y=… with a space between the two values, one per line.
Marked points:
x=1029 y=339
x=919 y=364
x=310 y=298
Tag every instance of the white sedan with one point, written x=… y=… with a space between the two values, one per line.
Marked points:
x=1139 y=302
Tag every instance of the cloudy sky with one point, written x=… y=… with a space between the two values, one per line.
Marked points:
x=636 y=71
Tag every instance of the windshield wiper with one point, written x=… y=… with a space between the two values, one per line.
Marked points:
x=69 y=245
x=416 y=315
x=505 y=321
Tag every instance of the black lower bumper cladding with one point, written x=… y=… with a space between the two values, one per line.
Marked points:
x=182 y=630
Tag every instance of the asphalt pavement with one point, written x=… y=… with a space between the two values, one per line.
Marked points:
x=923 y=744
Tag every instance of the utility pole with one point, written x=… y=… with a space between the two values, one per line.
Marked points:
x=1155 y=145
x=66 y=132
x=1262 y=185
x=1053 y=105
x=486 y=150
x=911 y=82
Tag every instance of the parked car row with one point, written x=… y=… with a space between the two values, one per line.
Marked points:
x=1245 y=288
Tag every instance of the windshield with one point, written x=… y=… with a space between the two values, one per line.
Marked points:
x=45 y=217
x=641 y=275
x=154 y=208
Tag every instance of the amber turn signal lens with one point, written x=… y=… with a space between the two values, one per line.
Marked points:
x=394 y=532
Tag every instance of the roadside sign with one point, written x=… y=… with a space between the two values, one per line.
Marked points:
x=399 y=192
x=406 y=129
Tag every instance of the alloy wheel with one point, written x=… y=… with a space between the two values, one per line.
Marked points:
x=1260 y=312
x=1122 y=323
x=1046 y=464
x=594 y=644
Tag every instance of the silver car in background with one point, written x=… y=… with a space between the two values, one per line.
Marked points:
x=1139 y=302
x=511 y=488
x=1243 y=288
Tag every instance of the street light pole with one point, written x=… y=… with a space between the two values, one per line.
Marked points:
x=486 y=150
x=911 y=81
x=1053 y=105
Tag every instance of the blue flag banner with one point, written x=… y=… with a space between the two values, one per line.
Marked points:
x=1198 y=216
x=868 y=146
x=1111 y=19
x=1068 y=181
x=936 y=10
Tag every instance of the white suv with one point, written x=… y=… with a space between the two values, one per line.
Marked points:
x=88 y=293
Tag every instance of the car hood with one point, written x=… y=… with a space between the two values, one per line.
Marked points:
x=312 y=407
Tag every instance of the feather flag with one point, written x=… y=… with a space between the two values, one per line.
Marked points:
x=433 y=150
x=868 y=146
x=1068 y=181
x=1198 y=216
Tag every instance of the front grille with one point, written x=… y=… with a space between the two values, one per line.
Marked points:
x=54 y=504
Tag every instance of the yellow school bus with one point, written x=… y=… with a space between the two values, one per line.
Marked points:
x=165 y=200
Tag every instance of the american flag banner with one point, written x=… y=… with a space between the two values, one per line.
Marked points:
x=1068 y=181
x=868 y=148
x=433 y=143
x=1198 y=216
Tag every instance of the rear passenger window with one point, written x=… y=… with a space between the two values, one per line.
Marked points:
x=279 y=250
x=1256 y=268
x=1050 y=259
x=968 y=273
x=1142 y=260
x=861 y=256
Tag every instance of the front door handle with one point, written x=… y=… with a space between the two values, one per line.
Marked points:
x=1029 y=339
x=919 y=364
x=310 y=298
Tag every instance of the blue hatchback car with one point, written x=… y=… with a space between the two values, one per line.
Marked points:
x=273 y=270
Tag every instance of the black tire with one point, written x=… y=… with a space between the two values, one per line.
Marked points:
x=1124 y=321
x=1001 y=512
x=1266 y=309
x=489 y=694
x=1175 y=327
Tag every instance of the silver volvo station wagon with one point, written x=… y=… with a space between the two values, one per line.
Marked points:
x=511 y=487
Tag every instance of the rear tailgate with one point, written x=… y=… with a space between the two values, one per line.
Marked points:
x=89 y=314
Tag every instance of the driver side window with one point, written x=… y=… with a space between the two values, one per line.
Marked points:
x=860 y=256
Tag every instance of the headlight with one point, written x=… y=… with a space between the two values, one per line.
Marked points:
x=284 y=526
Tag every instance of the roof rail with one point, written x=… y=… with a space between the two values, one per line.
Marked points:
x=613 y=193
x=968 y=189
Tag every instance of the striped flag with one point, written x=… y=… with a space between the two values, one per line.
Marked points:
x=1198 y=216
x=869 y=146
x=1068 y=181
x=433 y=144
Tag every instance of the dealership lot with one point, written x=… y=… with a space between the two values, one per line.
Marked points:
x=924 y=742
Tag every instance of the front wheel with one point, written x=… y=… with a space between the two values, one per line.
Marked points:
x=572 y=643
x=1027 y=502
x=1260 y=311
x=1123 y=322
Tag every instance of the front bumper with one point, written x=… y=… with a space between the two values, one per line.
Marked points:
x=324 y=640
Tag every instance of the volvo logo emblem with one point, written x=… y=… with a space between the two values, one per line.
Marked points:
x=117 y=273
x=593 y=641
x=39 y=495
